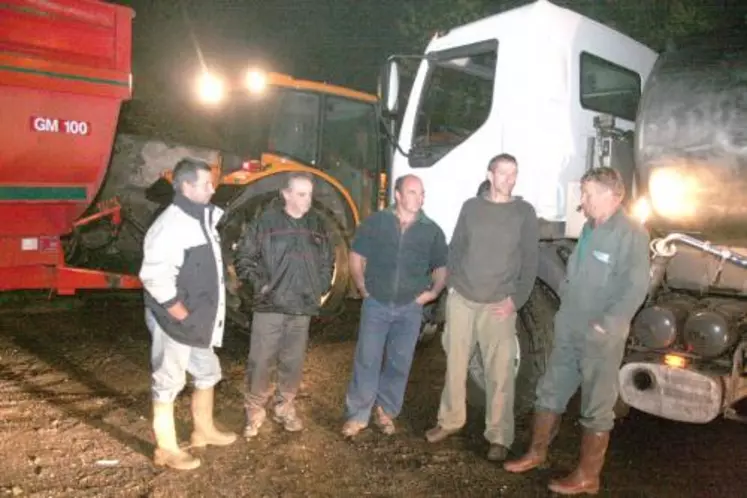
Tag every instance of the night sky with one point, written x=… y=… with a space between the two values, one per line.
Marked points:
x=342 y=42
x=338 y=41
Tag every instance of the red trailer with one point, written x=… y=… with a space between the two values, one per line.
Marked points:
x=65 y=69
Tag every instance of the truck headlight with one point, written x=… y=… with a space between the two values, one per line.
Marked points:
x=673 y=194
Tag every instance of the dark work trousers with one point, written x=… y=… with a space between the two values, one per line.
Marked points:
x=277 y=339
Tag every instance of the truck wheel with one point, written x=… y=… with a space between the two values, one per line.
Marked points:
x=621 y=409
x=428 y=332
x=534 y=328
x=434 y=316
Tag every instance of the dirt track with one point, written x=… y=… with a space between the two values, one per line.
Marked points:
x=74 y=405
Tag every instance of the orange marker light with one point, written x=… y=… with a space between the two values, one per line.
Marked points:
x=675 y=361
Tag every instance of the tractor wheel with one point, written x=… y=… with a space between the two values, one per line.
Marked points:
x=240 y=294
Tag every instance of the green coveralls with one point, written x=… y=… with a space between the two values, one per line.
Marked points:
x=606 y=282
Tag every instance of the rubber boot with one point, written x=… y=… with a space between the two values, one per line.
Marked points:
x=544 y=429
x=585 y=479
x=205 y=431
x=168 y=453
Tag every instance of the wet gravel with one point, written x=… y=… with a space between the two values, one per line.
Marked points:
x=74 y=407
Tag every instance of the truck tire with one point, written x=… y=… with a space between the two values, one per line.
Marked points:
x=534 y=328
x=428 y=332
x=434 y=316
x=621 y=409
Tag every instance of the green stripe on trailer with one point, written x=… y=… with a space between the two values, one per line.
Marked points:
x=42 y=193
x=65 y=76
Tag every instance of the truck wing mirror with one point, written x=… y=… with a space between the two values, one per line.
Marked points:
x=389 y=87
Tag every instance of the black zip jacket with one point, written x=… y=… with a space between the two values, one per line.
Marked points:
x=292 y=257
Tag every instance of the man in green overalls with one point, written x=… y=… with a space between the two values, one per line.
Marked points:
x=606 y=282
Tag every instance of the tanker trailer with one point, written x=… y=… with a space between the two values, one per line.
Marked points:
x=65 y=69
x=687 y=349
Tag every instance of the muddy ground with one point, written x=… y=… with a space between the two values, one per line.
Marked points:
x=74 y=405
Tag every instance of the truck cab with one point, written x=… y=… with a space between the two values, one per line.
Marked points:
x=565 y=94
x=555 y=89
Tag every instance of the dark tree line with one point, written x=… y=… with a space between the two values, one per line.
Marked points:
x=173 y=40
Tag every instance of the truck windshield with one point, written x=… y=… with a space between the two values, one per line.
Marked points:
x=456 y=99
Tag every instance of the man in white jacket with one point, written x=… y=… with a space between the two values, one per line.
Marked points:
x=183 y=276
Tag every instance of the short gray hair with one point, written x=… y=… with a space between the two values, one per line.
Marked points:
x=607 y=177
x=298 y=175
x=501 y=158
x=186 y=170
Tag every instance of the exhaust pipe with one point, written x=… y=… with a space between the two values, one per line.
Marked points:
x=664 y=249
x=672 y=393
x=643 y=380
x=666 y=246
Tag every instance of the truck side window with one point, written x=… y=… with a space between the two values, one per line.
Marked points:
x=456 y=100
x=609 y=88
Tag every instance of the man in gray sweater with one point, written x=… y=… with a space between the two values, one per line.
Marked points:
x=493 y=259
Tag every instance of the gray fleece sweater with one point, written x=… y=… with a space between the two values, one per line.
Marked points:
x=494 y=251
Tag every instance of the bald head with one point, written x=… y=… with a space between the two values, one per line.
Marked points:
x=409 y=194
x=405 y=180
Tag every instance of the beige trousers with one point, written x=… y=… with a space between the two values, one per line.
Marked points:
x=469 y=325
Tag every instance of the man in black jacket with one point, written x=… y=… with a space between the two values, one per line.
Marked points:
x=287 y=258
x=182 y=274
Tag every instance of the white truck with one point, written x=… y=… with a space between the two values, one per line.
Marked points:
x=563 y=94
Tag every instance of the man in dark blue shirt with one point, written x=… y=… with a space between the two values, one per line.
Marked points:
x=398 y=263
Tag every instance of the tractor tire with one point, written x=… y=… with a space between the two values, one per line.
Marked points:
x=333 y=300
x=534 y=332
x=241 y=294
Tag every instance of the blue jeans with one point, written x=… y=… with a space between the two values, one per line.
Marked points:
x=387 y=336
